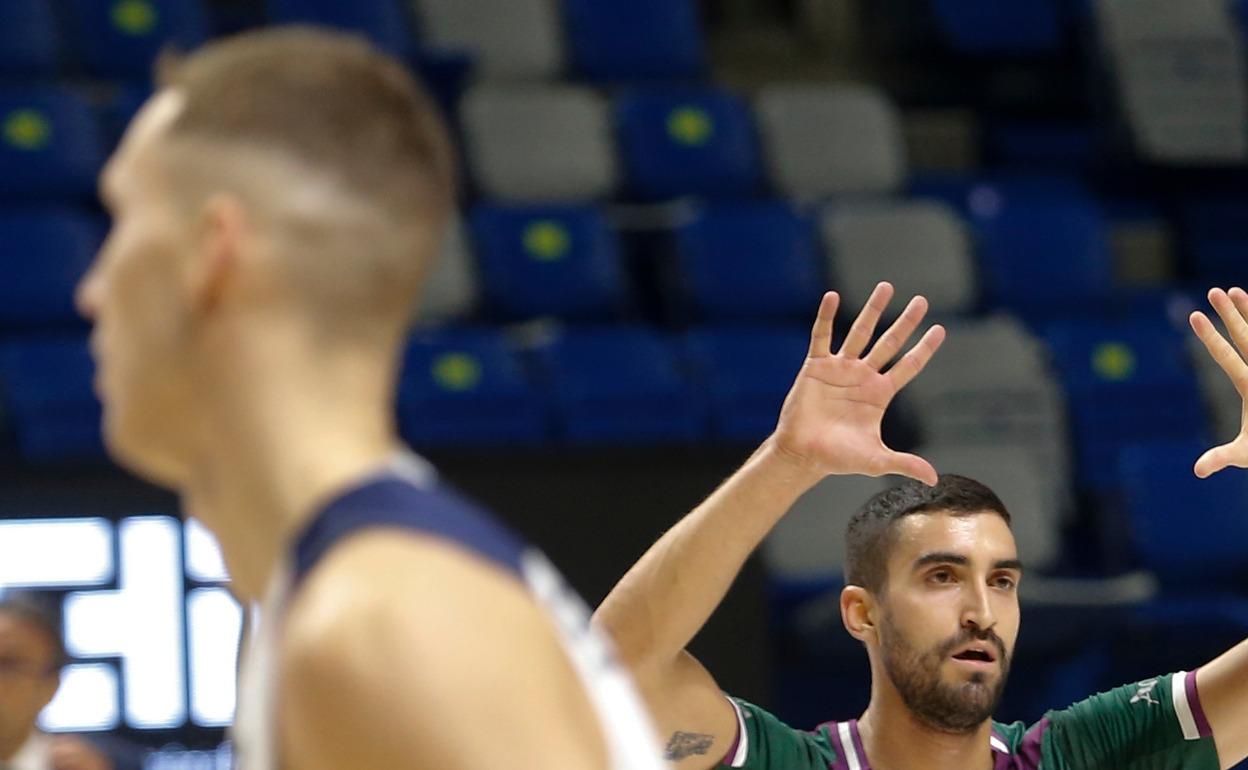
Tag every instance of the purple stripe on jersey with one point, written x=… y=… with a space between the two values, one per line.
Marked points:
x=1029 y=751
x=862 y=753
x=842 y=759
x=1198 y=711
x=732 y=750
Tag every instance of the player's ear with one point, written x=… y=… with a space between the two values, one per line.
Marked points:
x=858 y=609
x=220 y=232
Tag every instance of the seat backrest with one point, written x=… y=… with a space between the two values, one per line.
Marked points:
x=978 y=27
x=50 y=145
x=539 y=143
x=452 y=291
x=826 y=140
x=922 y=247
x=635 y=40
x=123 y=39
x=43 y=255
x=29 y=43
x=687 y=142
x=809 y=542
x=749 y=261
x=508 y=39
x=538 y=261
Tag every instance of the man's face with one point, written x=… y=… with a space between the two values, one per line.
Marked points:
x=28 y=676
x=950 y=616
x=135 y=295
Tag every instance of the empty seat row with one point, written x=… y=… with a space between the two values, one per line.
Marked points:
x=601 y=40
x=541 y=142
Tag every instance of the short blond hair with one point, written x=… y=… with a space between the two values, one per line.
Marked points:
x=333 y=104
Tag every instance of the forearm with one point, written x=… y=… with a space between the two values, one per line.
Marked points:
x=663 y=601
x=1223 y=687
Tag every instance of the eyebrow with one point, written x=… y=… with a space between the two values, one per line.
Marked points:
x=947 y=557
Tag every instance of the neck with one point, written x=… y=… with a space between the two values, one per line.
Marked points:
x=12 y=742
x=895 y=739
x=283 y=435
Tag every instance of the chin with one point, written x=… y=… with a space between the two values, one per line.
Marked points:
x=141 y=457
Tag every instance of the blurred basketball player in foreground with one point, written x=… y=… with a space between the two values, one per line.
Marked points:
x=932 y=573
x=275 y=209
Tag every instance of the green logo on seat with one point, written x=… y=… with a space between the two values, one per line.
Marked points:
x=134 y=17
x=1113 y=361
x=27 y=130
x=690 y=126
x=457 y=371
x=547 y=241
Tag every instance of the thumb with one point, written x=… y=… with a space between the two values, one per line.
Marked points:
x=1213 y=461
x=913 y=466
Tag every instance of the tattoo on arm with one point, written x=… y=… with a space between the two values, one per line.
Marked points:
x=688 y=744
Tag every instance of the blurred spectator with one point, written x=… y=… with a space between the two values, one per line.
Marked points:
x=31 y=657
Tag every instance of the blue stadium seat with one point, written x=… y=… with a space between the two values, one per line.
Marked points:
x=1018 y=27
x=688 y=142
x=1216 y=239
x=636 y=40
x=28 y=38
x=621 y=384
x=1043 y=249
x=50 y=145
x=467 y=387
x=554 y=260
x=1185 y=529
x=122 y=38
x=46 y=386
x=385 y=22
x=43 y=254
x=746 y=372
x=749 y=261
x=1127 y=383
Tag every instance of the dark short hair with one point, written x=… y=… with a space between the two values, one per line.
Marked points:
x=870 y=537
x=40 y=611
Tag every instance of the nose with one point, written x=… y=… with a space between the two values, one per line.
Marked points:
x=86 y=295
x=978 y=612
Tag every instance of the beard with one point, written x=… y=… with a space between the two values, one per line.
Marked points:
x=951 y=708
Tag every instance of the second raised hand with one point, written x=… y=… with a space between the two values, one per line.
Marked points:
x=830 y=421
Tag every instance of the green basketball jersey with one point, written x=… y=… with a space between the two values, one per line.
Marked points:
x=1156 y=724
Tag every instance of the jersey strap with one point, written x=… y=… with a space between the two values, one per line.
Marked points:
x=397 y=503
x=1187 y=706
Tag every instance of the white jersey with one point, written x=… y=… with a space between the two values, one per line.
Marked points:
x=408 y=495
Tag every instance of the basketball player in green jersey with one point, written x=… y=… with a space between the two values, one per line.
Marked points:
x=932 y=574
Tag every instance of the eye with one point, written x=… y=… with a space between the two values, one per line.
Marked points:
x=1005 y=583
x=941 y=576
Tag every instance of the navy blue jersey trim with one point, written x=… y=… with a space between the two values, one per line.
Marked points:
x=395 y=503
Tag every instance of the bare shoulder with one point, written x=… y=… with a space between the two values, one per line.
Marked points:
x=406 y=651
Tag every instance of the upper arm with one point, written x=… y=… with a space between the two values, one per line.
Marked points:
x=696 y=723
x=406 y=653
x=1223 y=686
x=1135 y=727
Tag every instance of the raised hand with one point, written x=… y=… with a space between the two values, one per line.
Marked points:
x=831 y=418
x=1232 y=308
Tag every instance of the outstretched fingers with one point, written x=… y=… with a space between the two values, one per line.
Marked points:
x=916 y=359
x=913 y=466
x=1232 y=318
x=864 y=325
x=1221 y=351
x=1216 y=459
x=821 y=333
x=891 y=342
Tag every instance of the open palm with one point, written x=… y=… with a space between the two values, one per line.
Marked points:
x=831 y=418
x=1232 y=308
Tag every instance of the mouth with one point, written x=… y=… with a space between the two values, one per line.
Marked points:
x=977 y=656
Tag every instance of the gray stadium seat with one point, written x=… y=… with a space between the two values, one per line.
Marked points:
x=1180 y=73
x=922 y=247
x=508 y=39
x=1021 y=482
x=809 y=542
x=826 y=140
x=990 y=385
x=539 y=143
x=453 y=290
